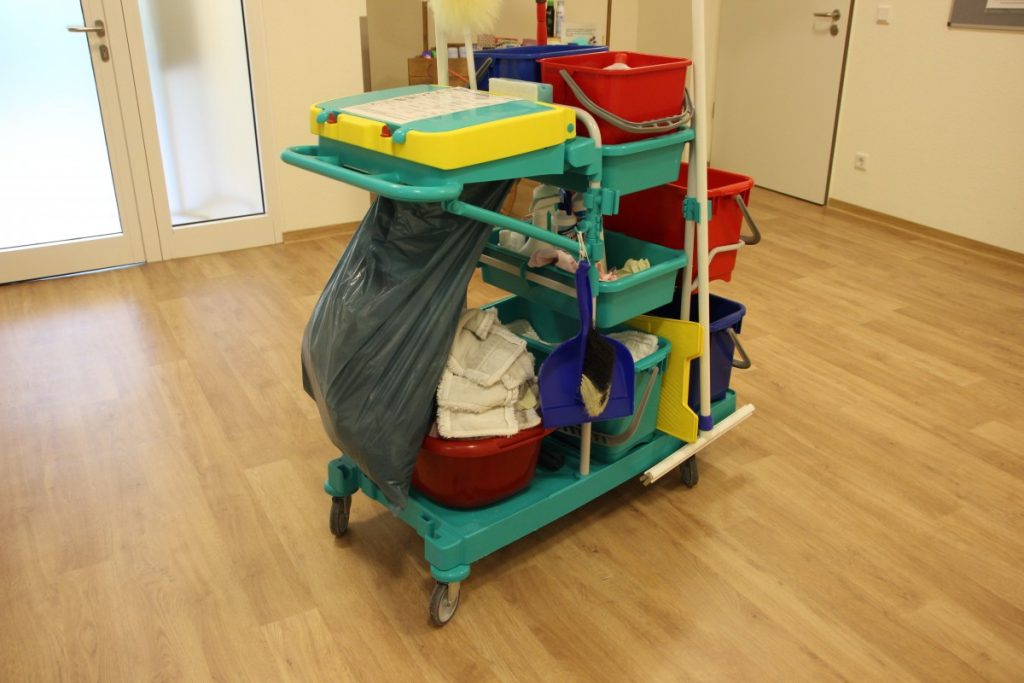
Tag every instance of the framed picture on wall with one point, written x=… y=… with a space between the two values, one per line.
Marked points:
x=994 y=14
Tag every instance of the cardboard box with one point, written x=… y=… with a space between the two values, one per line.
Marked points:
x=423 y=71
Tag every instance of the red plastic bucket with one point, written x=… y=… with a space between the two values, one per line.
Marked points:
x=652 y=88
x=656 y=215
x=467 y=473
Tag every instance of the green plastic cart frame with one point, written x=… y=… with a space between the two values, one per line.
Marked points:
x=455 y=538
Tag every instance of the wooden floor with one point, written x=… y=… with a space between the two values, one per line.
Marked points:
x=162 y=516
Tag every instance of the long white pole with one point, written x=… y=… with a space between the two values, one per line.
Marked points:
x=691 y=449
x=700 y=157
x=441 y=40
x=688 y=237
x=467 y=38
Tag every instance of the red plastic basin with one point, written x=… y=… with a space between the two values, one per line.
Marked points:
x=467 y=473
x=656 y=215
x=652 y=88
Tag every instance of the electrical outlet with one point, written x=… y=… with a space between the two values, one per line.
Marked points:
x=860 y=161
x=884 y=15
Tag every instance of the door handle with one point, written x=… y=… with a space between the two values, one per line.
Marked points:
x=834 y=15
x=98 y=29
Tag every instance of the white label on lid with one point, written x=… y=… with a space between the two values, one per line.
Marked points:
x=425 y=105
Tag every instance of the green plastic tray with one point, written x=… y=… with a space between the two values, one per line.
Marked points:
x=626 y=168
x=617 y=301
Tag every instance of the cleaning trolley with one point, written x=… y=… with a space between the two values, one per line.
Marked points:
x=440 y=160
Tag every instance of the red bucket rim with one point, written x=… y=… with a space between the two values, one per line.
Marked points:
x=578 y=63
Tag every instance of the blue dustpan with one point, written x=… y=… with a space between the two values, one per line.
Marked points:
x=560 y=375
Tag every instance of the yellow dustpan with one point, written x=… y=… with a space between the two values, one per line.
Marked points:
x=674 y=414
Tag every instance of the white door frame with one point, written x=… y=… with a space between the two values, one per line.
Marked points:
x=212 y=236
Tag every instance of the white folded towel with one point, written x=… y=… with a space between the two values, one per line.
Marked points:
x=523 y=328
x=479 y=321
x=488 y=387
x=520 y=372
x=458 y=393
x=640 y=344
x=485 y=360
x=503 y=421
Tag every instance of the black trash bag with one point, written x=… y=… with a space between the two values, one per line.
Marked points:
x=378 y=339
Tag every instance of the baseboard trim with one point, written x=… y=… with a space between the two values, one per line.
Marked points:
x=322 y=231
x=927 y=232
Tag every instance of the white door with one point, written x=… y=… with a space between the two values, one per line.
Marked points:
x=67 y=200
x=780 y=66
x=200 y=76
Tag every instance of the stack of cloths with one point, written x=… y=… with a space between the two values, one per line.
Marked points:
x=488 y=387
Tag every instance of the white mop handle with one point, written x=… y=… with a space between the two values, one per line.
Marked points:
x=441 y=41
x=689 y=450
x=470 y=60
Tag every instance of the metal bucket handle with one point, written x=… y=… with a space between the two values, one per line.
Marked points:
x=743 y=363
x=753 y=239
x=662 y=125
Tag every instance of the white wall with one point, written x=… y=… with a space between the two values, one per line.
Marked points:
x=518 y=17
x=940 y=111
x=313 y=54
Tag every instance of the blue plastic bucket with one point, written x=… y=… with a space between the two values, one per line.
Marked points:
x=726 y=320
x=521 y=62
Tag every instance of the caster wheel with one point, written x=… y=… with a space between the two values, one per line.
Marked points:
x=340 y=507
x=443 y=603
x=690 y=473
x=551 y=462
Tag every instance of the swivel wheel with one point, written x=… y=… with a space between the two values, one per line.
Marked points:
x=443 y=602
x=340 y=509
x=689 y=472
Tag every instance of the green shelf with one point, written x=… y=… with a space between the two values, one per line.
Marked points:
x=455 y=538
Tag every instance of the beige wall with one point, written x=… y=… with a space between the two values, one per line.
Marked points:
x=392 y=43
x=518 y=17
x=940 y=112
x=625 y=25
x=310 y=61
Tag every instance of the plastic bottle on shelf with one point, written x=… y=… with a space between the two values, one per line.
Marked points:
x=560 y=20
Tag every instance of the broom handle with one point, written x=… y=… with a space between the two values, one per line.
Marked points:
x=587 y=303
x=587 y=430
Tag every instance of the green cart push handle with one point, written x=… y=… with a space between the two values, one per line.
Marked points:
x=306 y=157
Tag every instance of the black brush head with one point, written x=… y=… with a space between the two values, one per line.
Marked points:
x=598 y=370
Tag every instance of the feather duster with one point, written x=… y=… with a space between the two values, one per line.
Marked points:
x=461 y=16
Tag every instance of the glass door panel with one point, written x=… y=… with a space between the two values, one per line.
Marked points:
x=56 y=182
x=200 y=80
